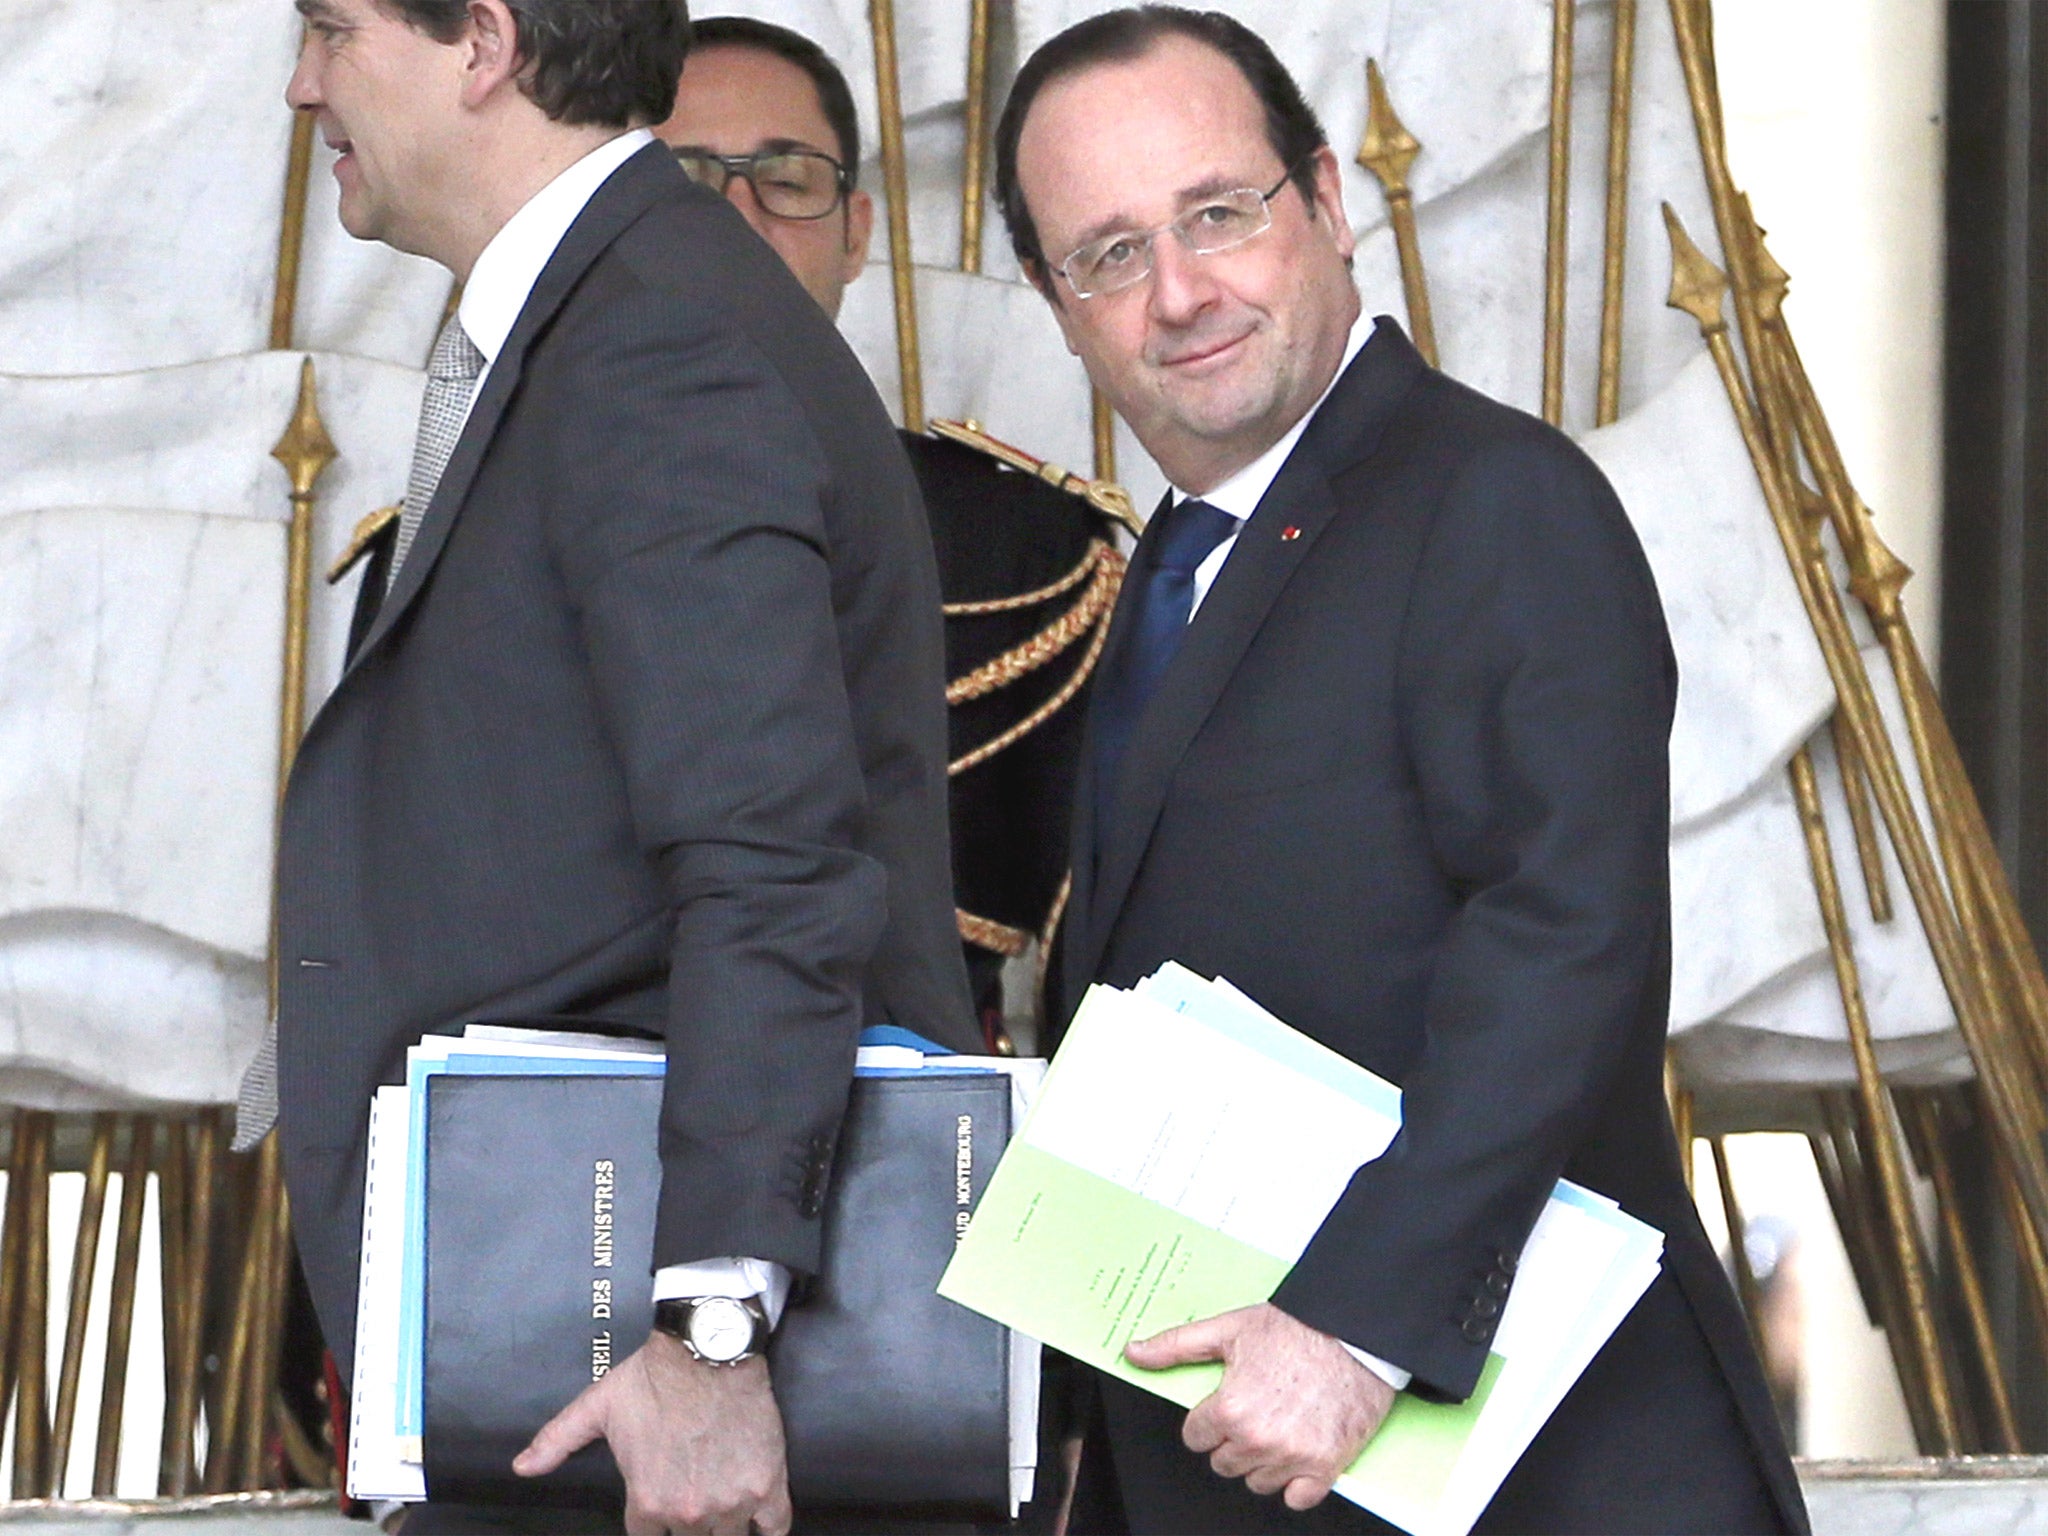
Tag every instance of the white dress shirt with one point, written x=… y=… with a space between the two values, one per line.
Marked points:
x=511 y=264
x=1240 y=495
x=496 y=292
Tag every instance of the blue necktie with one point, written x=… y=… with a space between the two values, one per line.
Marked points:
x=1159 y=622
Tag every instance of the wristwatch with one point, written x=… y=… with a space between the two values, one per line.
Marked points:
x=719 y=1330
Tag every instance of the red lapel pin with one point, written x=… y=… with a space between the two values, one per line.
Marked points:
x=1289 y=534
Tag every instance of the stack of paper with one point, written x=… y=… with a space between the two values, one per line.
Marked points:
x=1184 y=1148
x=387 y=1409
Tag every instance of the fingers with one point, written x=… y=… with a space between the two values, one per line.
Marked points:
x=775 y=1515
x=1265 y=1480
x=1232 y=1459
x=1208 y=1339
x=563 y=1435
x=1306 y=1492
x=654 y=1518
x=1203 y=1431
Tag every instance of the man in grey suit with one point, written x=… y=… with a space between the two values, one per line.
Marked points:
x=648 y=727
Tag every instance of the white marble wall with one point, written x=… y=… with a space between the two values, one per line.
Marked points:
x=141 y=155
x=1978 y=1496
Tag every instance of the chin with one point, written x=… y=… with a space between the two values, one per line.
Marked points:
x=1219 y=420
x=355 y=218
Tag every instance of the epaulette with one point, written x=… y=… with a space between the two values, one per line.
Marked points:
x=360 y=542
x=1105 y=496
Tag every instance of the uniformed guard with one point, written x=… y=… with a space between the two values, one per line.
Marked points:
x=1029 y=570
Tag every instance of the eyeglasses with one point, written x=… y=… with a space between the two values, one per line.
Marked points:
x=1218 y=223
x=788 y=183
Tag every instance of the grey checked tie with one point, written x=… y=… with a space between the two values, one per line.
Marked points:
x=451 y=381
x=452 y=373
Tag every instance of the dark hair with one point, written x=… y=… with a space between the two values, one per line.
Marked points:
x=835 y=97
x=1126 y=35
x=611 y=63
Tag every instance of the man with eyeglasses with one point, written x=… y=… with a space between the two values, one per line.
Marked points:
x=764 y=116
x=1380 y=737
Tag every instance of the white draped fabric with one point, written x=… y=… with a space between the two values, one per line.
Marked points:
x=142 y=521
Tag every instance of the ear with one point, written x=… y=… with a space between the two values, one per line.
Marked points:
x=492 y=57
x=1329 y=199
x=860 y=229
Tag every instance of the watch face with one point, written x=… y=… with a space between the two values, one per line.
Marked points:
x=721 y=1329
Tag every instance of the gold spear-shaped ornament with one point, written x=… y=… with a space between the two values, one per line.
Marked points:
x=2001 y=954
x=2009 y=1095
x=1770 y=285
x=1388 y=150
x=1621 y=94
x=305 y=451
x=1697 y=286
x=974 y=156
x=1877 y=576
x=1556 y=250
x=896 y=186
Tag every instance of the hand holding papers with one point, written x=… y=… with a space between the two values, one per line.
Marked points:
x=1185 y=1147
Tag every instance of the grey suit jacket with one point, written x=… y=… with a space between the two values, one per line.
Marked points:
x=650 y=729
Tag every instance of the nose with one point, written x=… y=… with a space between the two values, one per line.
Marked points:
x=301 y=92
x=1183 y=284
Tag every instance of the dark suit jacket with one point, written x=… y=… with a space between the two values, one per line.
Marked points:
x=650 y=729
x=1405 y=783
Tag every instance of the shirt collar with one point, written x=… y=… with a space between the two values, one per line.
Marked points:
x=511 y=264
x=1241 y=493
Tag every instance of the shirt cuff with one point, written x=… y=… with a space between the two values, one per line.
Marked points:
x=738 y=1277
x=1392 y=1375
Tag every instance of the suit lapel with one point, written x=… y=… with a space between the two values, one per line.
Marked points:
x=626 y=194
x=1275 y=540
x=1077 y=965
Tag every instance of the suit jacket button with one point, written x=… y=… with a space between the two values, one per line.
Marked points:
x=1475 y=1332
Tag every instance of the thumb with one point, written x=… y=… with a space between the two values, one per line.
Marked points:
x=1206 y=1339
x=563 y=1435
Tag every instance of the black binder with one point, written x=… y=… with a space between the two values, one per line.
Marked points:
x=540 y=1231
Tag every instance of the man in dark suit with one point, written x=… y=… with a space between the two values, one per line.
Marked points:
x=764 y=116
x=648 y=727
x=1381 y=737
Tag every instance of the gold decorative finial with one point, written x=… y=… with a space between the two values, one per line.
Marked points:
x=1876 y=575
x=1697 y=286
x=1388 y=148
x=305 y=450
x=1773 y=282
